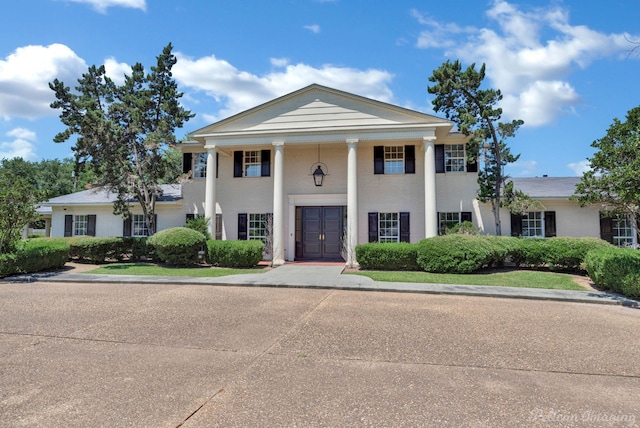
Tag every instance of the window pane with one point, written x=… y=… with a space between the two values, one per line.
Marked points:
x=139 y=226
x=532 y=225
x=200 y=165
x=389 y=230
x=454 y=158
x=252 y=163
x=80 y=225
x=394 y=159
x=258 y=226
x=447 y=221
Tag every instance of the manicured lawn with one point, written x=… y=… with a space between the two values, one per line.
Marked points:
x=159 y=270
x=517 y=278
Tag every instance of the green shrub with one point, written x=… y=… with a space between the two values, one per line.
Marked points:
x=465 y=228
x=35 y=256
x=388 y=256
x=608 y=267
x=569 y=253
x=178 y=245
x=98 y=250
x=201 y=224
x=454 y=253
x=631 y=285
x=234 y=253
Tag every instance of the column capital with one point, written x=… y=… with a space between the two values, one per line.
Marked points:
x=210 y=147
x=278 y=143
x=352 y=141
x=429 y=139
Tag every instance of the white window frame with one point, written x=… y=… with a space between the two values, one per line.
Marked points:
x=252 y=163
x=447 y=220
x=532 y=224
x=622 y=229
x=80 y=225
x=389 y=227
x=394 y=159
x=139 y=226
x=200 y=165
x=257 y=226
x=455 y=159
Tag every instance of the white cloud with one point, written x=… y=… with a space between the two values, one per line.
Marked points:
x=314 y=28
x=579 y=168
x=20 y=146
x=523 y=168
x=25 y=77
x=239 y=90
x=102 y=5
x=529 y=56
x=116 y=70
x=279 y=62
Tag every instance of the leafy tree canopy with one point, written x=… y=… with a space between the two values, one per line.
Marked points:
x=614 y=178
x=474 y=111
x=123 y=131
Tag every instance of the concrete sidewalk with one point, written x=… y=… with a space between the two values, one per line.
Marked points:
x=320 y=276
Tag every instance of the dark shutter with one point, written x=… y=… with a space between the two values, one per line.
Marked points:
x=409 y=159
x=268 y=227
x=238 y=156
x=439 y=148
x=190 y=216
x=606 y=228
x=68 y=225
x=265 y=170
x=516 y=225
x=465 y=216
x=126 y=227
x=217 y=163
x=472 y=166
x=242 y=227
x=187 y=161
x=404 y=227
x=378 y=160
x=91 y=225
x=549 y=224
x=373 y=227
x=219 y=227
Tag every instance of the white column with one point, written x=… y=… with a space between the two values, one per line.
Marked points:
x=278 y=204
x=210 y=190
x=430 y=209
x=352 y=202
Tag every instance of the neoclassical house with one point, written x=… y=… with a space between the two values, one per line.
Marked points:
x=321 y=170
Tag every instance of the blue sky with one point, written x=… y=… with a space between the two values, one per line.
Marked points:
x=564 y=67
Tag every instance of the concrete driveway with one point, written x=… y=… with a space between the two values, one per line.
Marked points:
x=163 y=355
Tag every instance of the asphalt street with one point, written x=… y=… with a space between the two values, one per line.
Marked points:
x=195 y=355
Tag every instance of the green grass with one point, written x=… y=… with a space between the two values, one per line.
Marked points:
x=520 y=278
x=159 y=270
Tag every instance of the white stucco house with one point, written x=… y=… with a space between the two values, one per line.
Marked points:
x=326 y=170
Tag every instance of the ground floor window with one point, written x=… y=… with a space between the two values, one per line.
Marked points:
x=622 y=229
x=389 y=227
x=532 y=226
x=80 y=225
x=139 y=226
x=257 y=226
x=447 y=221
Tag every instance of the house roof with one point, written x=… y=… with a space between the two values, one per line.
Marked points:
x=316 y=110
x=101 y=196
x=547 y=187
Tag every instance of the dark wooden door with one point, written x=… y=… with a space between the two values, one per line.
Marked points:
x=322 y=232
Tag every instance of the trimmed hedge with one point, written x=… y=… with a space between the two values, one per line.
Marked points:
x=35 y=256
x=178 y=245
x=387 y=256
x=460 y=253
x=234 y=253
x=98 y=250
x=455 y=253
x=610 y=268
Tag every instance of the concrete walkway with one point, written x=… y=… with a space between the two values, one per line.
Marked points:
x=330 y=276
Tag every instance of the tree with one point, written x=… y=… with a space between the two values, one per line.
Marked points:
x=474 y=111
x=613 y=179
x=18 y=200
x=124 y=131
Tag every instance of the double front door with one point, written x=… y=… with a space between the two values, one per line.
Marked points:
x=319 y=233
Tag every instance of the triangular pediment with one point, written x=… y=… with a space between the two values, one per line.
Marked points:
x=315 y=109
